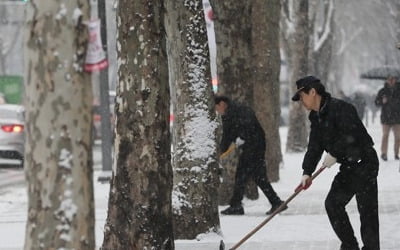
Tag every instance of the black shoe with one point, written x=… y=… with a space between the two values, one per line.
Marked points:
x=275 y=207
x=396 y=157
x=238 y=210
x=349 y=248
x=384 y=157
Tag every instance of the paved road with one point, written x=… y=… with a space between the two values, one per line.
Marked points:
x=12 y=174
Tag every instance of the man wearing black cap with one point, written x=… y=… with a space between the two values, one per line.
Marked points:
x=337 y=129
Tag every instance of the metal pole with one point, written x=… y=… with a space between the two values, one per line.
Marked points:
x=106 y=133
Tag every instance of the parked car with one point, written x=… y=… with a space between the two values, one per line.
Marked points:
x=12 y=136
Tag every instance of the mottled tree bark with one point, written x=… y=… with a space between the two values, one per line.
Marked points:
x=296 y=34
x=233 y=29
x=397 y=20
x=139 y=208
x=196 y=179
x=321 y=52
x=58 y=157
x=232 y=26
x=266 y=67
x=11 y=28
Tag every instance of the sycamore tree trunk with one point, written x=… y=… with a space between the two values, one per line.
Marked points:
x=139 y=208
x=233 y=29
x=11 y=16
x=295 y=38
x=195 y=200
x=58 y=158
x=321 y=49
x=397 y=20
x=266 y=67
x=232 y=26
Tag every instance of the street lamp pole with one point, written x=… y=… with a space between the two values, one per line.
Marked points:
x=106 y=133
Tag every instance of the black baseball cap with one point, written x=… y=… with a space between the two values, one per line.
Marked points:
x=304 y=83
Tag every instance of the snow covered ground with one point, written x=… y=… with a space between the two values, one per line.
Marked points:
x=304 y=226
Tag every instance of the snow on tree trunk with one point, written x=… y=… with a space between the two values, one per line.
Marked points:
x=139 y=208
x=296 y=34
x=58 y=158
x=195 y=200
x=233 y=37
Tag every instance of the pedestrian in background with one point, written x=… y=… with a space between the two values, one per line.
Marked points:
x=239 y=122
x=388 y=98
x=337 y=129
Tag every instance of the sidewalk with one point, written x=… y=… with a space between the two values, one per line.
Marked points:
x=304 y=226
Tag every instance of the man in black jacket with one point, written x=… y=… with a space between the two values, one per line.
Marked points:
x=239 y=123
x=337 y=129
x=388 y=98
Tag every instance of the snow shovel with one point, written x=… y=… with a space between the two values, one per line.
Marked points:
x=298 y=189
x=228 y=151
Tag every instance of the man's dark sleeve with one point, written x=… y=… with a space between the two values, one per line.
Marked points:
x=228 y=133
x=313 y=154
x=353 y=136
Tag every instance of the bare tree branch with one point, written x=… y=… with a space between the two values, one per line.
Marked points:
x=320 y=40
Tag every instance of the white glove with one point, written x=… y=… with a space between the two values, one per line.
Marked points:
x=305 y=181
x=239 y=141
x=329 y=161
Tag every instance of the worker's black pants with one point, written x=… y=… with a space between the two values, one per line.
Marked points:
x=359 y=181
x=252 y=165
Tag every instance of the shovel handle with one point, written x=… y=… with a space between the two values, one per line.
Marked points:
x=297 y=191
x=300 y=186
x=228 y=151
